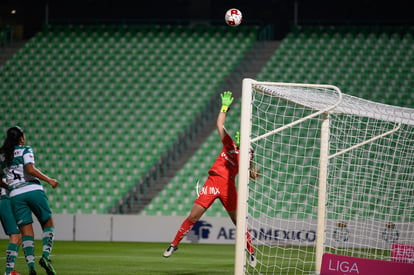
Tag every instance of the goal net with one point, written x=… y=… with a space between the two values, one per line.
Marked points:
x=336 y=176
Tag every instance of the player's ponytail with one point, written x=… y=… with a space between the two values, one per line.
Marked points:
x=12 y=139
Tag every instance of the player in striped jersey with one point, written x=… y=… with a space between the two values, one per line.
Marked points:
x=27 y=196
x=10 y=228
x=220 y=183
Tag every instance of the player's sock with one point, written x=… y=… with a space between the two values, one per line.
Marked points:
x=11 y=256
x=47 y=240
x=28 y=249
x=182 y=232
x=250 y=249
x=249 y=245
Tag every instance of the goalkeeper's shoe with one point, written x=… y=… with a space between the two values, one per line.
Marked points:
x=169 y=251
x=252 y=259
x=47 y=265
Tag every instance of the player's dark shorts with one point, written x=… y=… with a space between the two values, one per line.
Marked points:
x=7 y=218
x=33 y=201
x=218 y=187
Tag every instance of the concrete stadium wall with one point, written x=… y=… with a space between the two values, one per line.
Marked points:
x=133 y=228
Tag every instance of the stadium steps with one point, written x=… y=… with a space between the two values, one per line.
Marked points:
x=66 y=78
x=251 y=64
x=9 y=50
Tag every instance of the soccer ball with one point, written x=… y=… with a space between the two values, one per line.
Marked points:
x=233 y=17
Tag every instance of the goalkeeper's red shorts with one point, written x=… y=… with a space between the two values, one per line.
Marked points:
x=218 y=187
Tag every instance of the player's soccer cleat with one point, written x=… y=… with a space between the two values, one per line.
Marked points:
x=47 y=265
x=13 y=272
x=32 y=272
x=252 y=260
x=169 y=251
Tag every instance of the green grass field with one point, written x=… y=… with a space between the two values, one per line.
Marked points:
x=113 y=258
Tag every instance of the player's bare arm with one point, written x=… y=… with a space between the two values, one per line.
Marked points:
x=2 y=183
x=31 y=169
x=226 y=100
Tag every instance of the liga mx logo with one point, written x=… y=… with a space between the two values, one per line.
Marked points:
x=341 y=233
x=200 y=230
x=390 y=233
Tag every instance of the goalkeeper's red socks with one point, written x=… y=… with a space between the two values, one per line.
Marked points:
x=186 y=227
x=182 y=232
x=250 y=247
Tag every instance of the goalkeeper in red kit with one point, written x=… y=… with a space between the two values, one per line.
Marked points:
x=219 y=184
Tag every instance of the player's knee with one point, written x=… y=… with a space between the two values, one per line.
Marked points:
x=48 y=223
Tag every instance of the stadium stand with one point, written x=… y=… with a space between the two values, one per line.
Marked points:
x=372 y=63
x=368 y=62
x=104 y=103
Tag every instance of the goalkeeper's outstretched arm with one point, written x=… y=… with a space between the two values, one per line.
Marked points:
x=226 y=100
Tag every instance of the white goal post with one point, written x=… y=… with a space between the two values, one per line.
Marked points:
x=335 y=177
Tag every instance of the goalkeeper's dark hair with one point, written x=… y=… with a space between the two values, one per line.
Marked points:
x=12 y=139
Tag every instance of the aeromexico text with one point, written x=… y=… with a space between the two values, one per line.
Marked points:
x=211 y=231
x=272 y=235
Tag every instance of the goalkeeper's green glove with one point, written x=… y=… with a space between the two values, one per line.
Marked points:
x=226 y=100
x=237 y=139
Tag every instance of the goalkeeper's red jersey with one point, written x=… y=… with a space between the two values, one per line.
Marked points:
x=227 y=162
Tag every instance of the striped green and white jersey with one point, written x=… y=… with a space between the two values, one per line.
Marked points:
x=15 y=176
